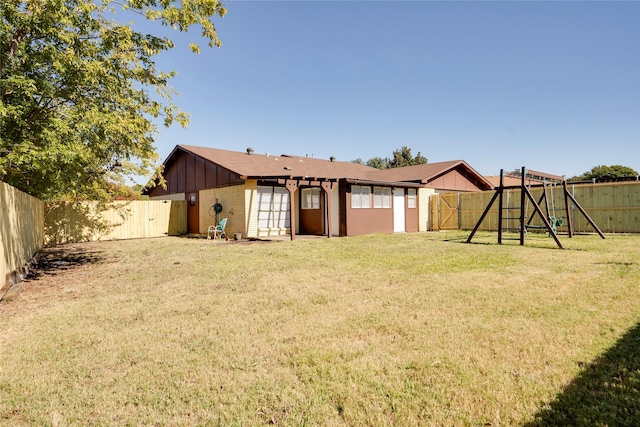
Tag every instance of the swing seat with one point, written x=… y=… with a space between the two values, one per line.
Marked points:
x=535 y=226
x=555 y=222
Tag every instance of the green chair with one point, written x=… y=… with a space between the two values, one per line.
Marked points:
x=217 y=231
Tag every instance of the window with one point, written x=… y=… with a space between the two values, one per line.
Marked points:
x=360 y=196
x=273 y=207
x=411 y=198
x=381 y=197
x=310 y=198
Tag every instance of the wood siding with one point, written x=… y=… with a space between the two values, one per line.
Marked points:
x=21 y=232
x=614 y=207
x=455 y=180
x=412 y=218
x=365 y=220
x=186 y=172
x=89 y=221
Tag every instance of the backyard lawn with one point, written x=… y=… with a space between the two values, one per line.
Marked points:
x=408 y=329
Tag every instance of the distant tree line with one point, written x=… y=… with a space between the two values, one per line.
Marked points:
x=400 y=157
x=606 y=173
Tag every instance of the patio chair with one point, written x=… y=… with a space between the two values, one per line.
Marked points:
x=217 y=230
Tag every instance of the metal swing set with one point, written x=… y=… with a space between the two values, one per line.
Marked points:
x=550 y=220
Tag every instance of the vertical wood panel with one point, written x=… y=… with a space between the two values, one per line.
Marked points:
x=21 y=230
x=222 y=177
x=448 y=211
x=211 y=175
x=200 y=173
x=180 y=167
x=614 y=207
x=190 y=172
x=67 y=222
x=171 y=176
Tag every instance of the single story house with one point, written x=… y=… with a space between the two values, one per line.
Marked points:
x=267 y=195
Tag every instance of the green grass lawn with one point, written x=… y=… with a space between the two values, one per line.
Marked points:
x=415 y=329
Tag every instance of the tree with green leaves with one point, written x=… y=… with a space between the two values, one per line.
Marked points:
x=403 y=157
x=80 y=91
x=603 y=173
x=378 y=162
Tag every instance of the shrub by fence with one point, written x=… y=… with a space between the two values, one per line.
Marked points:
x=21 y=233
x=614 y=207
x=77 y=222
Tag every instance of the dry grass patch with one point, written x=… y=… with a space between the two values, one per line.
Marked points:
x=370 y=330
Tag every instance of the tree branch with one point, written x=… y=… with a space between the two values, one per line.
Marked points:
x=13 y=47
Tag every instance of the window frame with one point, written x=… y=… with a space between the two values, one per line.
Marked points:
x=382 y=197
x=310 y=198
x=412 y=199
x=359 y=195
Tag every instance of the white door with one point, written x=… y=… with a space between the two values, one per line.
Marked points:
x=398 y=211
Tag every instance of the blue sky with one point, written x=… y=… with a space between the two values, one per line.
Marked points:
x=554 y=86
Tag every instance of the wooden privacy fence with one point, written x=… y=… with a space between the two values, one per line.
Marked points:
x=21 y=233
x=87 y=221
x=27 y=224
x=614 y=207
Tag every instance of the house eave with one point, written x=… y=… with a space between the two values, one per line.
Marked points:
x=402 y=184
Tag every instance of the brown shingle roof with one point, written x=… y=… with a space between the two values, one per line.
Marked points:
x=270 y=166
x=418 y=173
x=262 y=165
x=428 y=172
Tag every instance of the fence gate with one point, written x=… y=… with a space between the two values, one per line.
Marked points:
x=445 y=211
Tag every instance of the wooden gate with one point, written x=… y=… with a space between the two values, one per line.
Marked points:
x=444 y=211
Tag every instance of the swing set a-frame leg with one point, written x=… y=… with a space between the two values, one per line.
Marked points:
x=593 y=224
x=486 y=211
x=544 y=219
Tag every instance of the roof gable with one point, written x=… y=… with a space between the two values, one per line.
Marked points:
x=430 y=172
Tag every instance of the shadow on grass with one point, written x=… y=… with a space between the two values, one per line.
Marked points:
x=54 y=260
x=606 y=393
